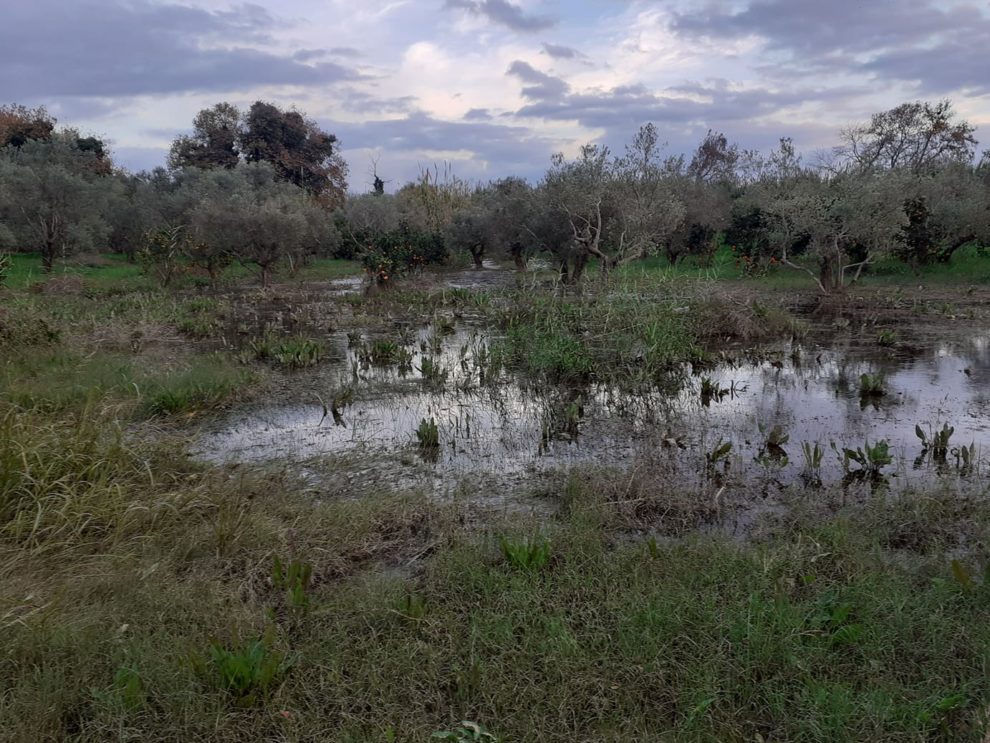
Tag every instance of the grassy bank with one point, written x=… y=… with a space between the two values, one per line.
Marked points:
x=147 y=596
x=142 y=598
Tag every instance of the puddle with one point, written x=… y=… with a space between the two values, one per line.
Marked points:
x=508 y=432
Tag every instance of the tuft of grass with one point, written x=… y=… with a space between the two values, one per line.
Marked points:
x=294 y=352
x=531 y=553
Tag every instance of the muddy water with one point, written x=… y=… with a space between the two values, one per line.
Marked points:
x=506 y=430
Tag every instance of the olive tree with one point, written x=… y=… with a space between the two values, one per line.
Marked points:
x=56 y=198
x=848 y=220
x=944 y=210
x=259 y=219
x=917 y=136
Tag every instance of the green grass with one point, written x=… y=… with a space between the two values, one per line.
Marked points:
x=969 y=265
x=138 y=598
x=141 y=600
x=633 y=335
x=112 y=272
x=60 y=379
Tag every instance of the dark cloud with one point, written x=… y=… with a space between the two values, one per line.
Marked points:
x=478 y=114
x=752 y=116
x=935 y=44
x=114 y=48
x=558 y=51
x=507 y=148
x=359 y=101
x=539 y=86
x=504 y=13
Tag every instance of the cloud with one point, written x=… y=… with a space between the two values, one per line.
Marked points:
x=478 y=114
x=113 y=48
x=504 y=13
x=931 y=43
x=557 y=51
x=484 y=149
x=539 y=85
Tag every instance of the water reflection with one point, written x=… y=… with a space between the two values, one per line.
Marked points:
x=808 y=395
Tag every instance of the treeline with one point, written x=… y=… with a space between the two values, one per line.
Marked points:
x=268 y=187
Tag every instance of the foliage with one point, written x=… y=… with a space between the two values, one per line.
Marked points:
x=468 y=732
x=293 y=145
x=936 y=442
x=294 y=580
x=248 y=668
x=529 y=553
x=162 y=253
x=294 y=352
x=428 y=437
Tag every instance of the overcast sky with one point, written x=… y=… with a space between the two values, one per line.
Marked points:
x=493 y=86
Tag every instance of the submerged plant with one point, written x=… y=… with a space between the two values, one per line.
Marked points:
x=719 y=453
x=531 y=553
x=869 y=460
x=813 y=455
x=428 y=438
x=294 y=352
x=935 y=442
x=872 y=386
x=887 y=338
x=433 y=371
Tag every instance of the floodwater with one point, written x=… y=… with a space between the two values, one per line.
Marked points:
x=508 y=431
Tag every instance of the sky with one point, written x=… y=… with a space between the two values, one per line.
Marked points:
x=493 y=87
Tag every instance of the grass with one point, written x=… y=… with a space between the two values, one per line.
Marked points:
x=113 y=272
x=630 y=336
x=812 y=637
x=969 y=265
x=60 y=379
x=146 y=596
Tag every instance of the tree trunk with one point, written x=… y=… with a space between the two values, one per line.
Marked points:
x=516 y=251
x=266 y=272
x=580 y=261
x=478 y=256
x=829 y=274
x=47 y=258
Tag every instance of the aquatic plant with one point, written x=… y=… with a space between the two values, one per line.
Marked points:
x=383 y=353
x=428 y=437
x=711 y=390
x=887 y=338
x=720 y=453
x=295 y=352
x=813 y=455
x=872 y=386
x=870 y=460
x=433 y=371
x=247 y=669
x=294 y=580
x=468 y=732
x=935 y=442
x=530 y=553
x=411 y=606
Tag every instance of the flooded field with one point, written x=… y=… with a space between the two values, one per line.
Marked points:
x=780 y=414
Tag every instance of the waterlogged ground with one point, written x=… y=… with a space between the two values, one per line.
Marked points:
x=496 y=428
